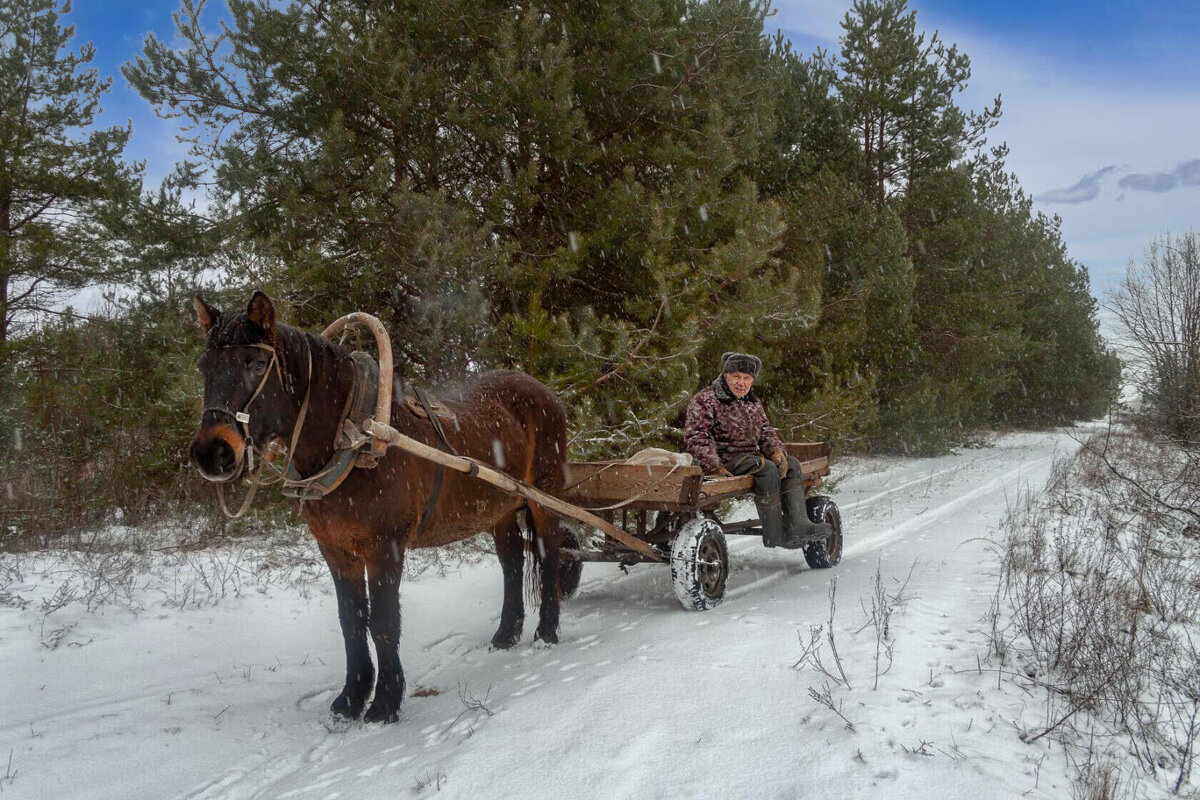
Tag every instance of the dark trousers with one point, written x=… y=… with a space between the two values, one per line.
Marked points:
x=766 y=474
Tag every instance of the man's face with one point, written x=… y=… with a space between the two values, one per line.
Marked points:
x=739 y=383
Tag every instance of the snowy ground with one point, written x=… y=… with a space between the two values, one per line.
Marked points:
x=641 y=699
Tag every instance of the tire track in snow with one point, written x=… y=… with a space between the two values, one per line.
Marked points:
x=929 y=516
x=923 y=479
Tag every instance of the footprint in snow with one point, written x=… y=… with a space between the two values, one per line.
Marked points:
x=526 y=690
x=450 y=637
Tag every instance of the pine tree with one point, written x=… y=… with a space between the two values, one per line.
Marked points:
x=898 y=86
x=65 y=191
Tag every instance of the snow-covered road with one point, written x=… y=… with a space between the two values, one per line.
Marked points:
x=640 y=700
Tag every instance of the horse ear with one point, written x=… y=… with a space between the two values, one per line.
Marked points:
x=261 y=312
x=206 y=315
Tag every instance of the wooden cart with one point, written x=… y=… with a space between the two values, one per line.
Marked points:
x=675 y=510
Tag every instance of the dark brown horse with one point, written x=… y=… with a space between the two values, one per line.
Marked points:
x=255 y=366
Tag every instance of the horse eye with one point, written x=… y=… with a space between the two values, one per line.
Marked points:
x=258 y=367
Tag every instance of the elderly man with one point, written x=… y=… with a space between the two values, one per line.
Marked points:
x=728 y=433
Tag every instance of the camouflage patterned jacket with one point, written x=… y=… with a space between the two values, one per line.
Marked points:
x=720 y=426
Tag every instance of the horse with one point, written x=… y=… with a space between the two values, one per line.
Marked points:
x=267 y=384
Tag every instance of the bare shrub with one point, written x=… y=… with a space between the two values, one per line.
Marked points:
x=879 y=620
x=1098 y=782
x=818 y=637
x=1100 y=582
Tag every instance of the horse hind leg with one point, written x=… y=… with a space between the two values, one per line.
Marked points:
x=510 y=550
x=383 y=581
x=546 y=538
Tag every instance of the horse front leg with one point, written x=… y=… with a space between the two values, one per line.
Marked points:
x=545 y=551
x=354 y=616
x=383 y=581
x=510 y=549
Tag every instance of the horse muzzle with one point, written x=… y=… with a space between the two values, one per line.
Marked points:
x=218 y=454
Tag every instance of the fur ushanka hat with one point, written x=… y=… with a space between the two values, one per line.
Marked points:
x=741 y=362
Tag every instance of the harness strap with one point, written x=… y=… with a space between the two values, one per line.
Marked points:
x=439 y=472
x=299 y=426
x=433 y=419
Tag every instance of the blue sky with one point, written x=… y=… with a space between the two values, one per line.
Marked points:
x=1101 y=102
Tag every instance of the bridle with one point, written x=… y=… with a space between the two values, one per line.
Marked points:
x=241 y=418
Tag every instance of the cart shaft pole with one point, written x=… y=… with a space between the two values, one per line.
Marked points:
x=505 y=483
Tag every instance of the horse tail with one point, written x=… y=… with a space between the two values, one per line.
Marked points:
x=533 y=564
x=542 y=546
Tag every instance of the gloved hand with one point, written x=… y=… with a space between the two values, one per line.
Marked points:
x=780 y=459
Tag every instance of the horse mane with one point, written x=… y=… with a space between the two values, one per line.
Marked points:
x=294 y=346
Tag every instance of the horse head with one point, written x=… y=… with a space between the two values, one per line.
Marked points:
x=250 y=398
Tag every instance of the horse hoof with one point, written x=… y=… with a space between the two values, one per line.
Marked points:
x=347 y=706
x=382 y=712
x=549 y=637
x=505 y=642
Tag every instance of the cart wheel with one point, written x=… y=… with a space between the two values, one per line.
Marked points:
x=570 y=568
x=825 y=553
x=699 y=565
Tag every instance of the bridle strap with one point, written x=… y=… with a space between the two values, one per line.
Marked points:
x=243 y=419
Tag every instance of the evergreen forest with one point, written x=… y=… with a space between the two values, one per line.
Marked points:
x=607 y=195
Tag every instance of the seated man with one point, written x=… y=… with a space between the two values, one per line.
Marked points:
x=728 y=433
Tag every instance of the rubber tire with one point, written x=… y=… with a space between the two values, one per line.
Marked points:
x=827 y=552
x=699 y=587
x=570 y=568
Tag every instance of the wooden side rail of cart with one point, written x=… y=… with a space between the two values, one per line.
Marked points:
x=657 y=487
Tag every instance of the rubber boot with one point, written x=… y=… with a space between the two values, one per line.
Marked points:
x=800 y=530
x=770 y=512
